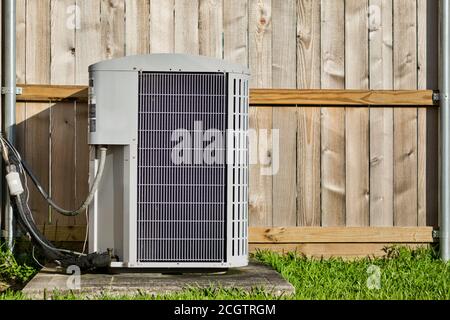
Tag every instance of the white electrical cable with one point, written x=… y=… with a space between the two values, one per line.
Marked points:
x=36 y=260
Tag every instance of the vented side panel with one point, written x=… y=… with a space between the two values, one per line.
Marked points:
x=181 y=207
x=239 y=97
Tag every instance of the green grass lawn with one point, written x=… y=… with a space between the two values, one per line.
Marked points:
x=402 y=274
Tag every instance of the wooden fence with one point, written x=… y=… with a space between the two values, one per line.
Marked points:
x=348 y=164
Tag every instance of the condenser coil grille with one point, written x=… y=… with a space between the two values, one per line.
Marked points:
x=181 y=208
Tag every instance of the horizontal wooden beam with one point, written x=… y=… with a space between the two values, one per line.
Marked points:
x=274 y=97
x=341 y=235
x=329 y=250
x=54 y=93
x=261 y=97
x=273 y=236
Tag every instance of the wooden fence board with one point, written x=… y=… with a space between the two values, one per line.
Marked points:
x=381 y=119
x=357 y=119
x=297 y=235
x=62 y=160
x=81 y=158
x=284 y=176
x=332 y=44
x=88 y=33
x=21 y=73
x=137 y=27
x=333 y=119
x=308 y=167
x=260 y=53
x=37 y=134
x=38 y=114
x=236 y=31
x=405 y=167
x=308 y=44
x=421 y=166
x=87 y=36
x=62 y=114
x=38 y=41
x=162 y=26
x=341 y=97
x=284 y=35
x=62 y=42
x=333 y=167
x=422 y=150
x=357 y=167
x=380 y=44
x=308 y=128
x=260 y=43
x=284 y=24
x=260 y=175
x=186 y=26
x=356 y=44
x=381 y=167
x=405 y=120
x=210 y=27
x=432 y=188
x=112 y=28
x=21 y=40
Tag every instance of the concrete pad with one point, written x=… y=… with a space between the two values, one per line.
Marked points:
x=131 y=282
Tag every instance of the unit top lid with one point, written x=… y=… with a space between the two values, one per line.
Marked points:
x=164 y=62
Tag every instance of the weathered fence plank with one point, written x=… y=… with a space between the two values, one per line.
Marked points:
x=38 y=114
x=381 y=119
x=260 y=53
x=357 y=119
x=308 y=44
x=260 y=43
x=308 y=167
x=308 y=128
x=62 y=114
x=88 y=35
x=405 y=120
x=333 y=167
x=422 y=148
x=236 y=31
x=284 y=25
x=285 y=171
x=260 y=175
x=428 y=121
x=162 y=26
x=20 y=72
x=112 y=28
x=137 y=27
x=186 y=26
x=333 y=119
x=210 y=27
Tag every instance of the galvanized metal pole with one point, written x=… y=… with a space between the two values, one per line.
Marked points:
x=444 y=87
x=9 y=91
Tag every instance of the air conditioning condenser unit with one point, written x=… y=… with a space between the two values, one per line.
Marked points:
x=174 y=192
